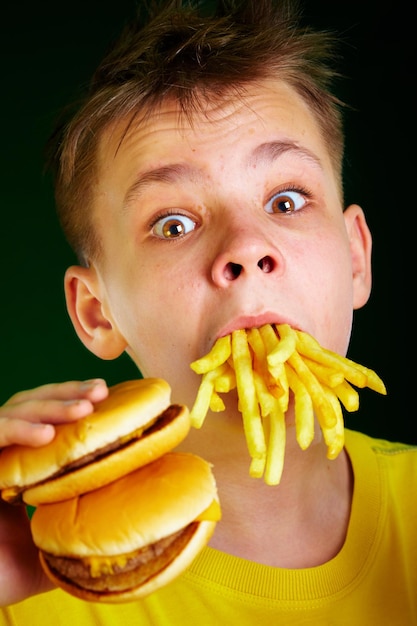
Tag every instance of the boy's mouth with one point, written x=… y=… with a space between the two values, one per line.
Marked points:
x=247 y=322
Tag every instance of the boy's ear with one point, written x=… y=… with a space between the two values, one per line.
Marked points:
x=92 y=323
x=361 y=250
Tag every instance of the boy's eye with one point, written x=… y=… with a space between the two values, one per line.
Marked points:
x=285 y=202
x=173 y=226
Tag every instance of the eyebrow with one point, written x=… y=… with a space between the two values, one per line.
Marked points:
x=270 y=151
x=267 y=153
x=172 y=173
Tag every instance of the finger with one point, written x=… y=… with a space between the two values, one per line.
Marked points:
x=22 y=432
x=93 y=390
x=28 y=417
x=48 y=411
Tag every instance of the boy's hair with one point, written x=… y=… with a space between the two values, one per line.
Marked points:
x=185 y=52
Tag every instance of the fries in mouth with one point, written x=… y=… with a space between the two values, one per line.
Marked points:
x=265 y=365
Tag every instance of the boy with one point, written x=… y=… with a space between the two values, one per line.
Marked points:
x=200 y=186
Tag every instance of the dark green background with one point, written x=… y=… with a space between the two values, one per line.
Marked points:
x=48 y=53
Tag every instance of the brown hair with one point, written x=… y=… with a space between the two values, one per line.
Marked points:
x=189 y=54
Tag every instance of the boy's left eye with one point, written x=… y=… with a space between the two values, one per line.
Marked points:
x=285 y=202
x=173 y=226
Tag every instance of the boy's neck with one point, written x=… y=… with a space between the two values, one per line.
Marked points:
x=305 y=517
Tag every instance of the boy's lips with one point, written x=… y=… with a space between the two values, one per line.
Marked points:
x=252 y=321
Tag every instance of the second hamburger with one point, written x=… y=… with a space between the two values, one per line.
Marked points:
x=133 y=536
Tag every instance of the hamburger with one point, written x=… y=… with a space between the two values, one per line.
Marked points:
x=133 y=426
x=131 y=537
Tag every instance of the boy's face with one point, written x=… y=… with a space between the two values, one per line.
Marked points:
x=231 y=222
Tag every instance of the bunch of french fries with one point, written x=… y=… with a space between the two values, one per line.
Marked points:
x=264 y=365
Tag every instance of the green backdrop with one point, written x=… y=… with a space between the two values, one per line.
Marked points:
x=48 y=54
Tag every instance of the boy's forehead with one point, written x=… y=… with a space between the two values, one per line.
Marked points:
x=269 y=107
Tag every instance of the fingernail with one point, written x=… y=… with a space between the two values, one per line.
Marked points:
x=93 y=382
x=73 y=402
x=40 y=425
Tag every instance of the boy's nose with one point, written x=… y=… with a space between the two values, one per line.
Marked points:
x=233 y=270
x=245 y=254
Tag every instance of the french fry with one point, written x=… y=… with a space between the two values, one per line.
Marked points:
x=258 y=347
x=216 y=403
x=202 y=401
x=225 y=381
x=285 y=347
x=373 y=381
x=252 y=423
x=276 y=446
x=309 y=347
x=323 y=373
x=257 y=467
x=304 y=412
x=347 y=395
x=260 y=363
x=285 y=397
x=269 y=337
x=324 y=409
x=265 y=364
x=265 y=399
x=335 y=436
x=277 y=370
x=219 y=353
x=271 y=343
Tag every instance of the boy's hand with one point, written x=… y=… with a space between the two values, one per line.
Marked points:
x=28 y=417
x=21 y=574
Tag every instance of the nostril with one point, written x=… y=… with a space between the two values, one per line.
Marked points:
x=266 y=264
x=232 y=271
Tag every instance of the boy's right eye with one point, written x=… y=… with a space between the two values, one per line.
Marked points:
x=173 y=226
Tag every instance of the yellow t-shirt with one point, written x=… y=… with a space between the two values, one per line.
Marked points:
x=372 y=581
